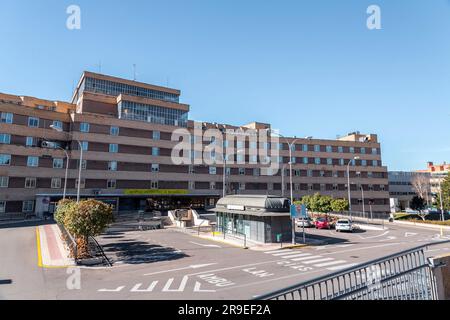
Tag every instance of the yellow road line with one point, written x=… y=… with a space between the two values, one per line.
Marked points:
x=39 y=253
x=38 y=244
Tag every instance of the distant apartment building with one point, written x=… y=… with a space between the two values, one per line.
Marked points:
x=125 y=130
x=401 y=189
x=437 y=172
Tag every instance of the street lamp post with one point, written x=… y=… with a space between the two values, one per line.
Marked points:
x=363 y=205
x=283 y=187
x=442 y=203
x=348 y=185
x=80 y=164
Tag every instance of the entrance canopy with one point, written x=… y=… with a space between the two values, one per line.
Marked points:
x=254 y=205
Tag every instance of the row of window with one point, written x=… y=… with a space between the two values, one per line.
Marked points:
x=27 y=206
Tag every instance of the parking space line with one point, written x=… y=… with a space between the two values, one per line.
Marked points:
x=318 y=260
x=282 y=253
x=320 y=265
x=306 y=258
x=297 y=255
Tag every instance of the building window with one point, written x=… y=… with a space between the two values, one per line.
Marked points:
x=317 y=160
x=191 y=169
x=113 y=148
x=191 y=185
x=82 y=183
x=240 y=158
x=370 y=174
x=241 y=185
x=305 y=148
x=352 y=150
x=228 y=171
x=155 y=167
x=156 y=135
x=2 y=206
x=383 y=187
x=111 y=184
x=309 y=173
x=5 y=159
x=154 y=185
x=329 y=161
x=256 y=172
x=212 y=170
x=5 y=138
x=58 y=163
x=253 y=159
x=30 y=142
x=155 y=151
x=310 y=187
x=6 y=117
x=57 y=124
x=341 y=149
x=305 y=160
x=371 y=188
x=364 y=163
x=114 y=131
x=293 y=160
x=30 y=183
x=363 y=150
x=322 y=187
x=112 y=166
x=33 y=122
x=329 y=149
x=212 y=185
x=374 y=151
x=56 y=183
x=316 y=148
x=85 y=145
x=33 y=161
x=375 y=163
x=84 y=127
x=322 y=173
x=335 y=187
x=341 y=162
x=83 y=164
x=242 y=171
x=4 y=182
x=28 y=206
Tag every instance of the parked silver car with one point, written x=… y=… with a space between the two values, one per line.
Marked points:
x=306 y=222
x=344 y=225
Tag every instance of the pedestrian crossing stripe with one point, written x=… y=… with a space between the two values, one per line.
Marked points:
x=318 y=260
x=326 y=264
x=297 y=255
x=345 y=266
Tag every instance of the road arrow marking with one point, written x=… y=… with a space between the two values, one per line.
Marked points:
x=409 y=234
x=137 y=287
x=196 y=266
x=197 y=288
x=180 y=288
x=112 y=290
x=206 y=245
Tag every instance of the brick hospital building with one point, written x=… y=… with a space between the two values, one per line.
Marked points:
x=125 y=129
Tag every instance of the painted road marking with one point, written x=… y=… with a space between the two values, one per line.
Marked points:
x=377 y=236
x=137 y=287
x=282 y=253
x=197 y=266
x=320 y=265
x=341 y=267
x=277 y=250
x=179 y=289
x=215 y=280
x=306 y=258
x=197 y=288
x=410 y=234
x=297 y=255
x=112 y=290
x=206 y=245
x=318 y=260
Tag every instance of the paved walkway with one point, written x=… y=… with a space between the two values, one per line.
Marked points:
x=52 y=251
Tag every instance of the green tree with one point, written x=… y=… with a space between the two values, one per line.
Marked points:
x=418 y=204
x=317 y=203
x=88 y=218
x=445 y=187
x=62 y=208
x=339 y=205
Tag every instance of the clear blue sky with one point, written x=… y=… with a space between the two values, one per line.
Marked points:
x=307 y=67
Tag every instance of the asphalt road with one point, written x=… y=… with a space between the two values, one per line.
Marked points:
x=168 y=264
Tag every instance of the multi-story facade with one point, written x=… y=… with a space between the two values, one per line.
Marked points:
x=401 y=188
x=126 y=128
x=437 y=172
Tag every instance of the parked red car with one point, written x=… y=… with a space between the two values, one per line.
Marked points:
x=322 y=223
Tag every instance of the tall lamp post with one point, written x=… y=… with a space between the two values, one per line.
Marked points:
x=81 y=161
x=442 y=203
x=348 y=185
x=363 y=204
x=283 y=187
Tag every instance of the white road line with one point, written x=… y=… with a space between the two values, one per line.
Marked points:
x=277 y=250
x=282 y=253
x=112 y=290
x=179 y=269
x=377 y=236
x=197 y=288
x=179 y=289
x=318 y=260
x=297 y=255
x=320 y=265
x=364 y=248
x=306 y=258
x=235 y=267
x=341 y=267
x=137 y=287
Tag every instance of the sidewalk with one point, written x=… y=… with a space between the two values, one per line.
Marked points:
x=52 y=251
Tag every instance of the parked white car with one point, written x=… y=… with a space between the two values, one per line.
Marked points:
x=305 y=222
x=344 y=225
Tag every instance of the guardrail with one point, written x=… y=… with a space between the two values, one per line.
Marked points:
x=99 y=251
x=406 y=275
x=70 y=241
x=231 y=233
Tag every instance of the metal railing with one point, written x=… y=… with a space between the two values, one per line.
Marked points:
x=70 y=241
x=99 y=251
x=406 y=275
x=231 y=233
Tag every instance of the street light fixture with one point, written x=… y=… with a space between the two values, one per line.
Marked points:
x=58 y=129
x=348 y=185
